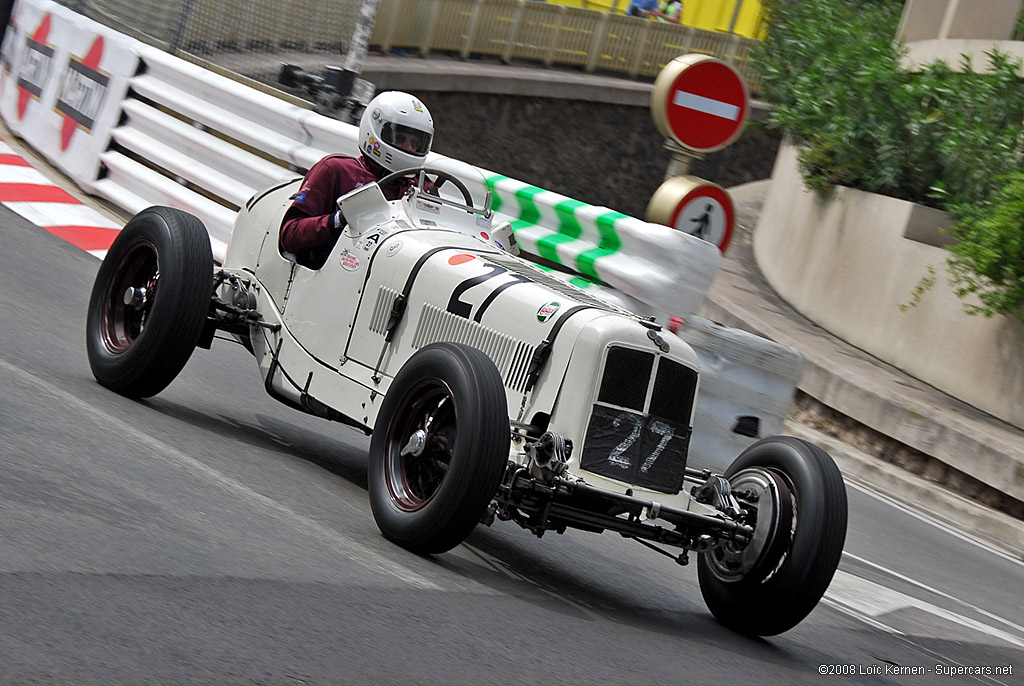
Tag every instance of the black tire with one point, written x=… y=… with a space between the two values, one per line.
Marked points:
x=136 y=348
x=429 y=502
x=769 y=589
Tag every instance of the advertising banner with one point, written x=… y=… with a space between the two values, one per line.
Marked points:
x=62 y=81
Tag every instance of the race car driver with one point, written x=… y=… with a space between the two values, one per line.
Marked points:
x=395 y=133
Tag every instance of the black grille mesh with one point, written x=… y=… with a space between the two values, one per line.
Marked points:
x=674 y=391
x=627 y=373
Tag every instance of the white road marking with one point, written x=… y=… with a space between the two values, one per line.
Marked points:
x=934 y=522
x=716 y=108
x=866 y=598
x=941 y=594
x=342 y=544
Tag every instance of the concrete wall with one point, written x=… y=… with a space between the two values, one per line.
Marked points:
x=846 y=265
x=949 y=29
x=958 y=19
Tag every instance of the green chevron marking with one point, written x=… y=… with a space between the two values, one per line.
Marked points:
x=569 y=229
x=529 y=213
x=609 y=245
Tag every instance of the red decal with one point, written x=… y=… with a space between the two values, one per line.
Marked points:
x=460 y=259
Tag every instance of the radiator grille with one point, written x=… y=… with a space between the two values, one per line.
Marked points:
x=627 y=374
x=674 y=389
x=511 y=356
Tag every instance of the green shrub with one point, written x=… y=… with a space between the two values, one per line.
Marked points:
x=942 y=137
x=988 y=258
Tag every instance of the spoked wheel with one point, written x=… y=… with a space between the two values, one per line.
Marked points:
x=149 y=302
x=414 y=471
x=439 y=448
x=795 y=499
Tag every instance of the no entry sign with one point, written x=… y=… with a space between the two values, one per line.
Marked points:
x=699 y=102
x=696 y=207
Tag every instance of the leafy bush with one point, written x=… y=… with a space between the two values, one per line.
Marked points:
x=942 y=137
x=988 y=258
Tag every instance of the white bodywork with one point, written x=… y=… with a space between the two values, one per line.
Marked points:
x=331 y=348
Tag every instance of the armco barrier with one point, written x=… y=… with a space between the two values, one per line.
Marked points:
x=194 y=139
x=180 y=135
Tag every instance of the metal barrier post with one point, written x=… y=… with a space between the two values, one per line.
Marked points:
x=549 y=53
x=474 y=23
x=639 y=48
x=735 y=16
x=510 y=35
x=428 y=34
x=360 y=42
x=389 y=32
x=595 y=46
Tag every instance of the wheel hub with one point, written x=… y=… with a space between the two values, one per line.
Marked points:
x=135 y=296
x=766 y=495
x=421 y=449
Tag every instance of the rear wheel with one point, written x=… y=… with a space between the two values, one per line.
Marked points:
x=149 y=302
x=439 y=448
x=797 y=501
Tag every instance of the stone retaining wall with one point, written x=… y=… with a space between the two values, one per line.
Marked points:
x=846 y=264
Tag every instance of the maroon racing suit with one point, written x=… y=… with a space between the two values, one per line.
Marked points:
x=309 y=230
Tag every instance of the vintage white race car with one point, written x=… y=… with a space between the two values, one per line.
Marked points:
x=491 y=388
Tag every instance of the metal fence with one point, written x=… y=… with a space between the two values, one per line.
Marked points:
x=548 y=34
x=253 y=37
x=244 y=35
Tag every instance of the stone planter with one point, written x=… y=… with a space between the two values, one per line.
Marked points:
x=850 y=262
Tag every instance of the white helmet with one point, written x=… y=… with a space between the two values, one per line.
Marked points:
x=395 y=131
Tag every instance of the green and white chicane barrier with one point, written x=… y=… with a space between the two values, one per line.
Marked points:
x=666 y=271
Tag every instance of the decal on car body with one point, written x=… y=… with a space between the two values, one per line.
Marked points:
x=547 y=311
x=350 y=261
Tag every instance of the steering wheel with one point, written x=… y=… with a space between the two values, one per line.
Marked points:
x=441 y=177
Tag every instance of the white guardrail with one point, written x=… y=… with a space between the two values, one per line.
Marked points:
x=139 y=127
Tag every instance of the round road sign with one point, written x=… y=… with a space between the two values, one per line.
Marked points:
x=696 y=207
x=699 y=102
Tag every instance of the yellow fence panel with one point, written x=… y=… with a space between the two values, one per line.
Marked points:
x=497 y=23
x=550 y=33
x=539 y=33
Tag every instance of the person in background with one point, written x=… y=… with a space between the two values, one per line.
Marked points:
x=641 y=8
x=670 y=11
x=395 y=133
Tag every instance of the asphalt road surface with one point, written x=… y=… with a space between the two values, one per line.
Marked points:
x=212 y=536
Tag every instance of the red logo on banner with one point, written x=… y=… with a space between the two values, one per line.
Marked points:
x=85 y=85
x=35 y=66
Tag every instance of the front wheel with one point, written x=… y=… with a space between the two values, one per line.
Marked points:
x=796 y=501
x=439 y=448
x=149 y=302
